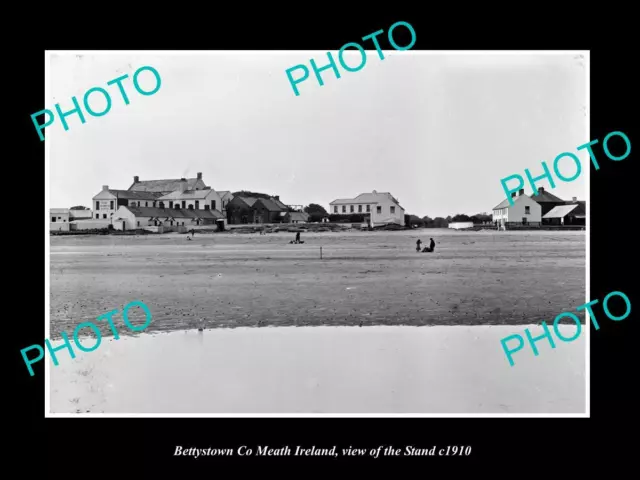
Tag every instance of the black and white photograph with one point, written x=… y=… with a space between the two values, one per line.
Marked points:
x=270 y=233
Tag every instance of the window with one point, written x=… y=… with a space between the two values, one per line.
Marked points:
x=146 y=204
x=368 y=208
x=206 y=207
x=351 y=209
x=104 y=215
x=111 y=204
x=527 y=210
x=97 y=215
x=392 y=209
x=161 y=204
x=53 y=219
x=197 y=204
x=138 y=222
x=344 y=209
x=378 y=209
x=335 y=209
x=190 y=206
x=359 y=208
x=97 y=206
x=184 y=205
x=59 y=218
x=170 y=203
x=213 y=204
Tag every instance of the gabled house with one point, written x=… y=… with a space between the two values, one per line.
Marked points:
x=524 y=211
x=225 y=197
x=130 y=218
x=247 y=209
x=572 y=213
x=378 y=208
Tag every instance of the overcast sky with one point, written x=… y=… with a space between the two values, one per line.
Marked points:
x=437 y=131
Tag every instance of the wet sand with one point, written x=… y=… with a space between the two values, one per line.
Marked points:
x=323 y=370
x=373 y=278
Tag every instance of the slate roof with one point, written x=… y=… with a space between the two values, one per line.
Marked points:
x=365 y=198
x=279 y=203
x=222 y=193
x=174 y=212
x=270 y=205
x=560 y=211
x=186 y=195
x=505 y=203
x=130 y=195
x=546 y=197
x=170 y=185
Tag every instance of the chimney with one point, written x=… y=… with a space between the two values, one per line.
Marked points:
x=540 y=189
x=105 y=188
x=521 y=192
x=277 y=197
x=199 y=175
x=183 y=185
x=136 y=179
x=513 y=195
x=575 y=199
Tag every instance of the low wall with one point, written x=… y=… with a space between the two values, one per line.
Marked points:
x=59 y=226
x=89 y=224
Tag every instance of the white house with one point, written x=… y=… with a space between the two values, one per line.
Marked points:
x=378 y=208
x=205 y=199
x=524 y=211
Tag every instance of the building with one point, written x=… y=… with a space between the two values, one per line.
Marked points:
x=296 y=217
x=59 y=219
x=460 y=225
x=378 y=208
x=225 y=197
x=570 y=214
x=108 y=201
x=255 y=210
x=547 y=200
x=205 y=199
x=80 y=213
x=166 y=186
x=131 y=218
x=524 y=212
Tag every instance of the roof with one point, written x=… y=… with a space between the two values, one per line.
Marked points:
x=130 y=195
x=170 y=185
x=298 y=216
x=174 y=212
x=545 y=196
x=505 y=203
x=279 y=203
x=270 y=205
x=561 y=211
x=248 y=200
x=187 y=194
x=58 y=210
x=222 y=193
x=364 y=198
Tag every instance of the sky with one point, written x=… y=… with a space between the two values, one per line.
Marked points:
x=437 y=131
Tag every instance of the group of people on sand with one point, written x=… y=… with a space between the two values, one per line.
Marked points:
x=430 y=248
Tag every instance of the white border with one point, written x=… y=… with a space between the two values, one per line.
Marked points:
x=47 y=93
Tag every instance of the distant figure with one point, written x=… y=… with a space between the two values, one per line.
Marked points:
x=298 y=237
x=418 y=243
x=193 y=232
x=431 y=247
x=188 y=237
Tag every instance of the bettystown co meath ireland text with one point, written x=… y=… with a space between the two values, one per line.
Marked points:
x=332 y=63
x=116 y=81
x=66 y=344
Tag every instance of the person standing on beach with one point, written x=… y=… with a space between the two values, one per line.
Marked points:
x=298 y=237
x=432 y=245
x=418 y=243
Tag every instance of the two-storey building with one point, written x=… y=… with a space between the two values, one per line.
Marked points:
x=378 y=208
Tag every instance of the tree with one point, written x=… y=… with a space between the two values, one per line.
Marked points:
x=413 y=220
x=461 y=218
x=315 y=208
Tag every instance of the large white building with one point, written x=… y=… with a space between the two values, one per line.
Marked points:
x=524 y=211
x=378 y=208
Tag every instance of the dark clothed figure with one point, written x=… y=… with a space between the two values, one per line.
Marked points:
x=418 y=243
x=298 y=237
x=432 y=246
